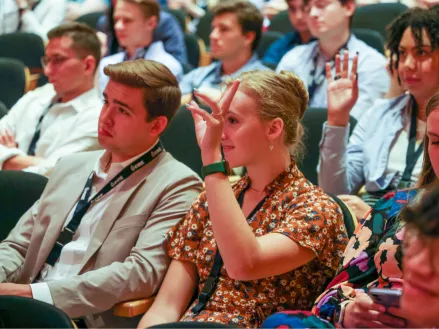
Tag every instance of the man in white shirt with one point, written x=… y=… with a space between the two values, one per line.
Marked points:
x=61 y=117
x=134 y=24
x=96 y=236
x=33 y=16
x=329 y=22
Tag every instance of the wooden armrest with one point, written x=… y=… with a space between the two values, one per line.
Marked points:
x=133 y=308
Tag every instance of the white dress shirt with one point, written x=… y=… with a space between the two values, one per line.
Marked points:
x=72 y=255
x=156 y=52
x=373 y=79
x=67 y=128
x=46 y=15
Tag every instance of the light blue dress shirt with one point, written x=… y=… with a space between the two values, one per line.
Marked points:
x=373 y=79
x=155 y=52
x=210 y=76
x=346 y=166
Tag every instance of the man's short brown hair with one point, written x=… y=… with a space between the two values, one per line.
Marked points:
x=161 y=90
x=148 y=7
x=249 y=17
x=85 y=41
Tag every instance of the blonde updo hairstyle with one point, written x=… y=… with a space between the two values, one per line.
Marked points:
x=279 y=95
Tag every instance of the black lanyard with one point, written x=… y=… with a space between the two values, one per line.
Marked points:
x=413 y=154
x=37 y=134
x=317 y=80
x=212 y=280
x=84 y=203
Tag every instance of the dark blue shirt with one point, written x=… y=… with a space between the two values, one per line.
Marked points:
x=280 y=47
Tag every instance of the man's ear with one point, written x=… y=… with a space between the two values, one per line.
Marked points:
x=159 y=125
x=90 y=64
x=350 y=7
x=249 y=38
x=275 y=129
x=152 y=22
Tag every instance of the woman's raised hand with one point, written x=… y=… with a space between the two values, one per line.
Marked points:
x=209 y=126
x=342 y=90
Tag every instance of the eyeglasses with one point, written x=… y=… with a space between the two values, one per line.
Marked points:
x=55 y=60
x=415 y=243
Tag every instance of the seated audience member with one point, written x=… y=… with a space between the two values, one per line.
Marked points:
x=61 y=117
x=420 y=300
x=373 y=257
x=329 y=22
x=236 y=30
x=33 y=16
x=94 y=240
x=384 y=151
x=78 y=8
x=134 y=24
x=280 y=237
x=167 y=31
x=300 y=35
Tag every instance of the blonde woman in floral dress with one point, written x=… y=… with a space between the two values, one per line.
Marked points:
x=280 y=237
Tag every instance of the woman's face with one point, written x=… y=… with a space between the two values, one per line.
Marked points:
x=433 y=136
x=420 y=300
x=418 y=65
x=244 y=139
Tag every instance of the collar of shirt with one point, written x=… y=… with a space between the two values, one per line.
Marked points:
x=218 y=70
x=114 y=168
x=139 y=53
x=79 y=104
x=350 y=45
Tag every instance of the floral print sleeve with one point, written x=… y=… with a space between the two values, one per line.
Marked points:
x=373 y=256
x=314 y=222
x=185 y=237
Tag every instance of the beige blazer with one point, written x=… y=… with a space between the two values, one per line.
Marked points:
x=126 y=258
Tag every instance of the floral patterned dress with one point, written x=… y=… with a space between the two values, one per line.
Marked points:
x=295 y=208
x=372 y=258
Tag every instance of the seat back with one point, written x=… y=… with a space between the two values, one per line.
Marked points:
x=349 y=219
x=19 y=190
x=377 y=16
x=313 y=121
x=21 y=312
x=180 y=140
x=12 y=81
x=90 y=19
x=281 y=23
x=204 y=28
x=3 y=110
x=25 y=47
x=193 y=49
x=179 y=15
x=372 y=38
x=266 y=40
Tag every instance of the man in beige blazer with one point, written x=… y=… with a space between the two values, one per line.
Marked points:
x=117 y=252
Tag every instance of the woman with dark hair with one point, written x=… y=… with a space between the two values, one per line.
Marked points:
x=373 y=257
x=385 y=150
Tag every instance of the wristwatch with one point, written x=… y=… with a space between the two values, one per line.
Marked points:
x=216 y=167
x=340 y=313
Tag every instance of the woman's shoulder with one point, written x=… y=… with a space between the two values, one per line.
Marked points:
x=393 y=202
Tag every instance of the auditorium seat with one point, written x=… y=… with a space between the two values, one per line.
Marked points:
x=22 y=312
x=19 y=190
